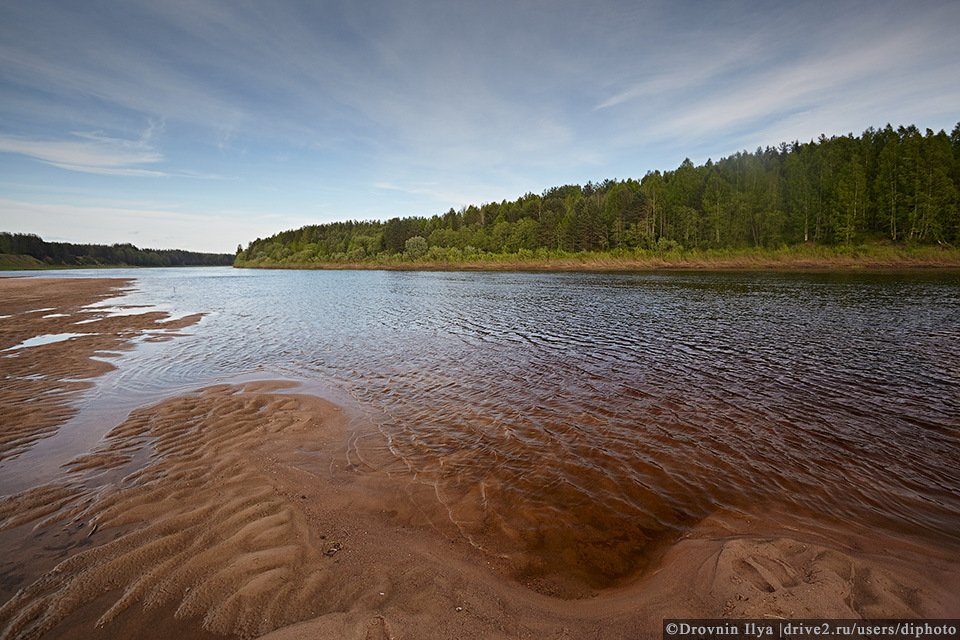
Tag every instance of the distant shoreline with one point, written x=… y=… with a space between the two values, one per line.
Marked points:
x=798 y=258
x=30 y=251
x=28 y=263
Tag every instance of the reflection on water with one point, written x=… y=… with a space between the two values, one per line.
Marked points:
x=45 y=339
x=585 y=417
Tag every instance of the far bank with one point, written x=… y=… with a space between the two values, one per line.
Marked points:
x=801 y=257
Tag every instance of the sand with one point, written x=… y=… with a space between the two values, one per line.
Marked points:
x=246 y=511
x=39 y=382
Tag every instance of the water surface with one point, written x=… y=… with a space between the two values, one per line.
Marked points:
x=583 y=418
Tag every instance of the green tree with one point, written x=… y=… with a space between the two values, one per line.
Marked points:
x=652 y=186
x=851 y=191
x=898 y=183
x=415 y=247
x=716 y=199
x=938 y=203
x=886 y=184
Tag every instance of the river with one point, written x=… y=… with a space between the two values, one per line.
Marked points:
x=601 y=412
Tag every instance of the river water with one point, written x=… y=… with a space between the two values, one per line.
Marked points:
x=586 y=417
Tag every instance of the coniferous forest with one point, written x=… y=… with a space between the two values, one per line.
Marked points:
x=889 y=186
x=66 y=254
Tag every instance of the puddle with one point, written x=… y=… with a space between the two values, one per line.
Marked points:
x=47 y=339
x=113 y=311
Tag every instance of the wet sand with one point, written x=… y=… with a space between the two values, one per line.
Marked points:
x=248 y=510
x=39 y=382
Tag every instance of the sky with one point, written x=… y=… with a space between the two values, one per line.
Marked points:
x=204 y=124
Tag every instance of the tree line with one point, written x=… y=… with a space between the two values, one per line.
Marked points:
x=884 y=186
x=98 y=255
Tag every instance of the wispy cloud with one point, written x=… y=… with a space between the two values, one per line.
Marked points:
x=405 y=189
x=99 y=153
x=91 y=152
x=442 y=195
x=687 y=71
x=759 y=78
x=853 y=77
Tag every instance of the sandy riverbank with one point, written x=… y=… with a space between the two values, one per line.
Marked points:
x=39 y=382
x=248 y=510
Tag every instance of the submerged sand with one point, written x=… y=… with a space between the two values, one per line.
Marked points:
x=248 y=511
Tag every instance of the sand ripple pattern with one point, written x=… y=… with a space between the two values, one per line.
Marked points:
x=201 y=528
x=39 y=385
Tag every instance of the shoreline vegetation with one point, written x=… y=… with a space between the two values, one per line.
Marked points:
x=27 y=251
x=889 y=198
x=799 y=257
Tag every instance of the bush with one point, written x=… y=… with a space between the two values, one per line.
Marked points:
x=663 y=245
x=415 y=247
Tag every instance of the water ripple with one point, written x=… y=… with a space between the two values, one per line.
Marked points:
x=580 y=419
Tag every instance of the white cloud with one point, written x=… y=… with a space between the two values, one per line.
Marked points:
x=685 y=71
x=95 y=152
x=789 y=82
x=393 y=187
x=91 y=152
x=850 y=77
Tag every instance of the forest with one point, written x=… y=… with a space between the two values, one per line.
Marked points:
x=888 y=186
x=65 y=254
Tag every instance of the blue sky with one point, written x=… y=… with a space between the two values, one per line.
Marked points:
x=203 y=124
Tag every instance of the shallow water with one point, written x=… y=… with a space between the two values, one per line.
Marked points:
x=45 y=339
x=585 y=417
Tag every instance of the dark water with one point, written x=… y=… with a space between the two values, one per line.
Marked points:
x=585 y=417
